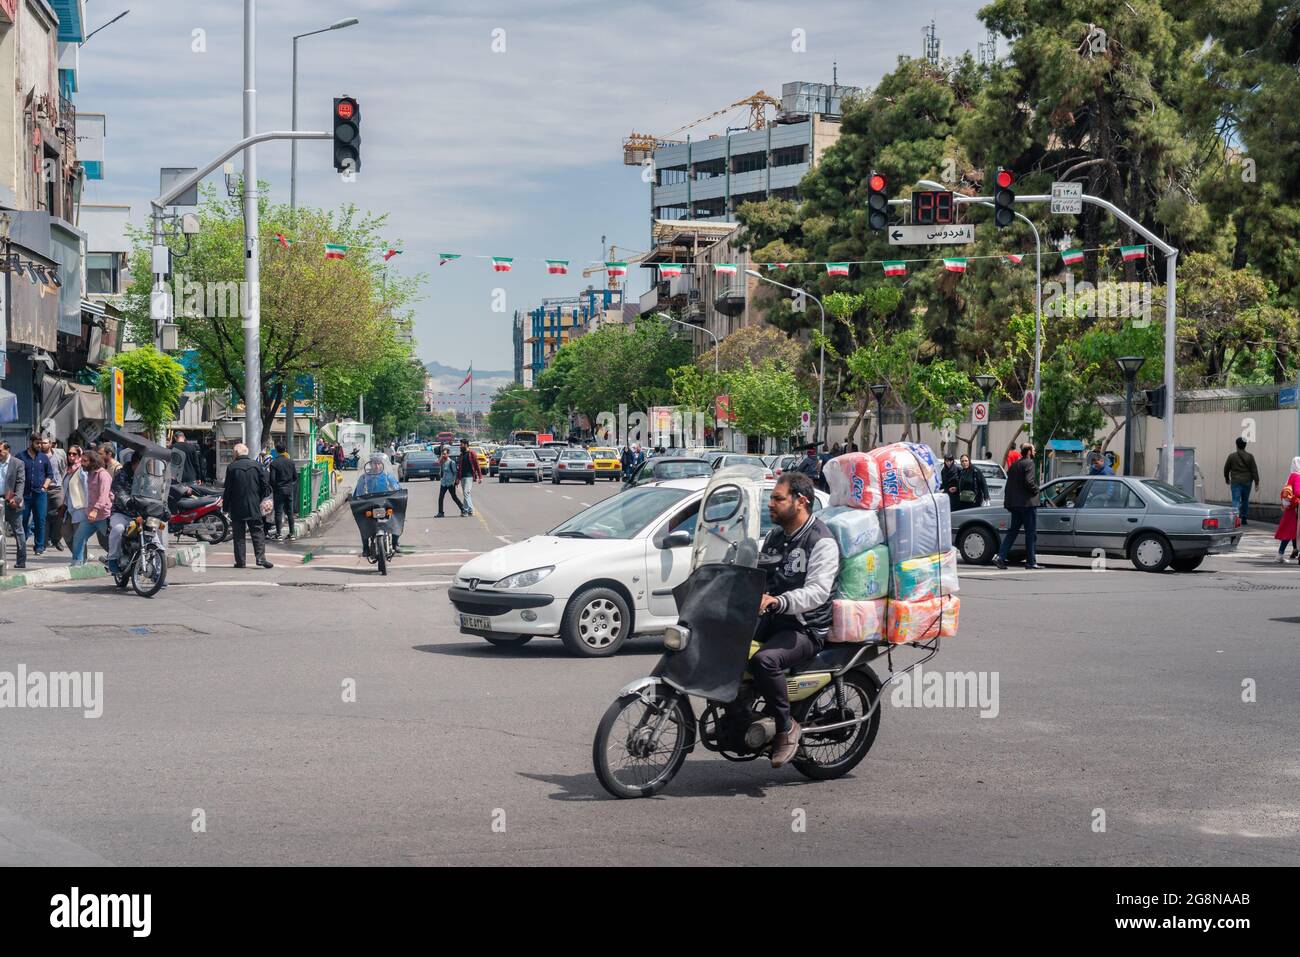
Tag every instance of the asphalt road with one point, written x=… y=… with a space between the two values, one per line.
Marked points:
x=1117 y=692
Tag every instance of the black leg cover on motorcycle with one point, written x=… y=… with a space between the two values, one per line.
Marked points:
x=719 y=603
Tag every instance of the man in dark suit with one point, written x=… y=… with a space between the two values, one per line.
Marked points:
x=191 y=472
x=284 y=487
x=247 y=486
x=1021 y=499
x=13 y=480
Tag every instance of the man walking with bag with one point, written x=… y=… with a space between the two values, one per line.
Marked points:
x=247 y=486
x=470 y=473
x=1020 y=497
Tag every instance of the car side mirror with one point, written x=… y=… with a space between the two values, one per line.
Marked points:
x=677 y=540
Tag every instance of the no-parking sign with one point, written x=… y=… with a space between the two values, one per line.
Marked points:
x=979 y=413
x=1031 y=401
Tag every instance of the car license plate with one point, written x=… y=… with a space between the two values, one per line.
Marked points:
x=475 y=621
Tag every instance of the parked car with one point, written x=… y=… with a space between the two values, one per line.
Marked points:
x=419 y=464
x=724 y=459
x=1152 y=524
x=995 y=476
x=779 y=463
x=593 y=581
x=519 y=463
x=546 y=457
x=664 y=468
x=495 y=460
x=401 y=452
x=574 y=465
x=607 y=463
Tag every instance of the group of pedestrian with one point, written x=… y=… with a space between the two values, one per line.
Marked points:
x=631 y=458
x=57 y=497
x=964 y=483
x=461 y=470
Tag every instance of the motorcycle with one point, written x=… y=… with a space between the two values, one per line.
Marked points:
x=200 y=516
x=143 y=563
x=380 y=518
x=645 y=735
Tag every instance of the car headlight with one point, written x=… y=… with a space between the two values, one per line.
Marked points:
x=524 y=579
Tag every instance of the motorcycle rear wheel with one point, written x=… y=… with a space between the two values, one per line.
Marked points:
x=823 y=757
x=149 y=573
x=213 y=528
x=627 y=722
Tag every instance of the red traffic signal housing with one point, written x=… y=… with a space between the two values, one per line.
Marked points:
x=877 y=183
x=1005 y=178
x=345 y=109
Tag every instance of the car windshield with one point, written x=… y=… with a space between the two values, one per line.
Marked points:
x=421 y=457
x=678 y=470
x=1169 y=493
x=603 y=454
x=990 y=471
x=744 y=460
x=518 y=456
x=575 y=456
x=622 y=516
x=547 y=454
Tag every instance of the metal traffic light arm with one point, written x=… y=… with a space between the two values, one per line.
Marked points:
x=1171 y=285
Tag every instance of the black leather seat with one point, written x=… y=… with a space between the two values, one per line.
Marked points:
x=189 y=504
x=833 y=657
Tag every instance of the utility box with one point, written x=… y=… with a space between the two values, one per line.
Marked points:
x=1184 y=468
x=1065 y=457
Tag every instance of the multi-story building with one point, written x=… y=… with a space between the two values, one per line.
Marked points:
x=561 y=320
x=711 y=178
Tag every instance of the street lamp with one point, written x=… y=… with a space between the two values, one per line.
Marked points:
x=1129 y=366
x=293 y=148
x=821 y=361
x=665 y=316
x=985 y=382
x=879 y=390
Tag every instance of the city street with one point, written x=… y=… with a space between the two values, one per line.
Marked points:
x=1117 y=690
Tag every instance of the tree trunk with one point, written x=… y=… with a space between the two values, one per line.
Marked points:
x=862 y=413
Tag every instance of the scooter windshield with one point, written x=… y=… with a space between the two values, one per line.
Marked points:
x=731 y=514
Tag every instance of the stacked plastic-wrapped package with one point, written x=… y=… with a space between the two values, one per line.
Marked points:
x=898 y=569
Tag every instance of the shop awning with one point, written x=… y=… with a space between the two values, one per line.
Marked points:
x=8 y=406
x=70 y=406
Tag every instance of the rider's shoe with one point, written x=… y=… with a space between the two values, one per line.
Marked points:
x=113 y=567
x=786 y=745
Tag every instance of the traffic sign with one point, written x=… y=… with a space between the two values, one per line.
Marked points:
x=1031 y=402
x=953 y=234
x=979 y=413
x=119 y=398
x=805 y=420
x=1067 y=197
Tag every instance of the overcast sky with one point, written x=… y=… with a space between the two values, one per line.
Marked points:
x=515 y=153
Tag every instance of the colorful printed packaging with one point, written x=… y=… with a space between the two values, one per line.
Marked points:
x=916 y=579
x=856 y=529
x=906 y=472
x=864 y=577
x=922 y=620
x=857 y=621
x=919 y=527
x=853 y=480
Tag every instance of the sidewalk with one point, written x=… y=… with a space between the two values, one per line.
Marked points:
x=53 y=567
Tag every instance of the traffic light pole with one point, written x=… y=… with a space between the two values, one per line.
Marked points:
x=1171 y=287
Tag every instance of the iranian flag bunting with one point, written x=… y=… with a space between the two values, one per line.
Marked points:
x=557 y=267
x=725 y=269
x=335 y=251
x=1133 y=252
x=280 y=238
x=837 y=269
x=955 y=265
x=895 y=268
x=1014 y=258
x=391 y=253
x=502 y=263
x=781 y=266
x=444 y=258
x=670 y=270
x=1072 y=257
x=616 y=269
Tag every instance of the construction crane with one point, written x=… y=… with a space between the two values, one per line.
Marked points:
x=639 y=147
x=613 y=257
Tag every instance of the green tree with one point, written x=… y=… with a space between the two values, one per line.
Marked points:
x=514 y=407
x=151 y=384
x=766 y=399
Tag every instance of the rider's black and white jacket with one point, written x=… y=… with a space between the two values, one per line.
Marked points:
x=804 y=579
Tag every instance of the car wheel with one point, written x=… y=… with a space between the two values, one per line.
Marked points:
x=977 y=546
x=591 y=481
x=1150 y=552
x=1187 y=563
x=596 y=623
x=509 y=641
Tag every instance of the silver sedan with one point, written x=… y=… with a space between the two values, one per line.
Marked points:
x=1152 y=524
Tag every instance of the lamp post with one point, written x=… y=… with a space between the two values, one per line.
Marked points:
x=879 y=390
x=985 y=383
x=665 y=316
x=293 y=149
x=821 y=360
x=1129 y=366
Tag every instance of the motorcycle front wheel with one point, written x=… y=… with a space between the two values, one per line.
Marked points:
x=213 y=528
x=149 y=573
x=627 y=763
x=380 y=547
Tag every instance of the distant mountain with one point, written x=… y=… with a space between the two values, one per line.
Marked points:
x=438 y=370
x=486 y=381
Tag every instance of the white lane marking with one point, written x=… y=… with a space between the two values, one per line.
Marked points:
x=567 y=497
x=587 y=504
x=505 y=538
x=223 y=584
x=431 y=581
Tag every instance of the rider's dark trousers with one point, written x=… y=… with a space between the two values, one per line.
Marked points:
x=783 y=649
x=256 y=531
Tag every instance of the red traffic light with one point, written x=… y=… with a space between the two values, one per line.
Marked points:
x=877 y=183
x=345 y=109
x=1005 y=178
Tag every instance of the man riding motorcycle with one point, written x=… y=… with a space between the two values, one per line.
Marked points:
x=374 y=479
x=803 y=562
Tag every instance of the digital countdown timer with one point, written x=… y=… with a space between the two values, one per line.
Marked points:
x=933 y=208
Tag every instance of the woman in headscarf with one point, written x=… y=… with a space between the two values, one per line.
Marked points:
x=1286 y=528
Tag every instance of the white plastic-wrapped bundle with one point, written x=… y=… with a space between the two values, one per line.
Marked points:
x=856 y=529
x=918 y=527
x=864 y=576
x=917 y=579
x=858 y=620
x=854 y=480
x=906 y=472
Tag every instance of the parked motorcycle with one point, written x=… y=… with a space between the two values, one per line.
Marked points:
x=200 y=516
x=647 y=732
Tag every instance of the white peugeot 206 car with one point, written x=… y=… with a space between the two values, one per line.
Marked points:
x=593 y=581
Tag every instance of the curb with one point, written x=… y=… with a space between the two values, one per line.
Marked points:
x=185 y=556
